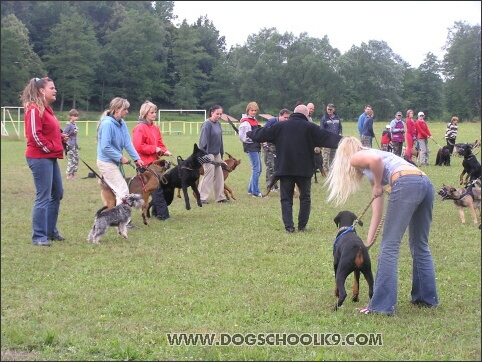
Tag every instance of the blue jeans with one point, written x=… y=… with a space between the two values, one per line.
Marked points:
x=49 y=191
x=410 y=205
x=255 y=159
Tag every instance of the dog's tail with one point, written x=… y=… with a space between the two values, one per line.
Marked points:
x=100 y=210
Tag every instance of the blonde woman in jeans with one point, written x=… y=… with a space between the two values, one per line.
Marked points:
x=410 y=205
x=112 y=138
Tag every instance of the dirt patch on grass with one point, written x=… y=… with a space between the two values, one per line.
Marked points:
x=13 y=355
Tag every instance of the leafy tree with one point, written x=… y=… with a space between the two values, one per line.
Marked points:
x=187 y=56
x=313 y=61
x=78 y=46
x=19 y=61
x=164 y=10
x=429 y=87
x=134 y=60
x=373 y=75
x=461 y=66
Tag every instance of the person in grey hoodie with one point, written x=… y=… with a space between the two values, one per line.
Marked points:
x=211 y=141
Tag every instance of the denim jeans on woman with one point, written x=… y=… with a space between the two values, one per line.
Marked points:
x=49 y=191
x=410 y=204
x=255 y=159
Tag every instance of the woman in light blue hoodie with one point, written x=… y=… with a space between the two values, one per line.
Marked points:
x=112 y=138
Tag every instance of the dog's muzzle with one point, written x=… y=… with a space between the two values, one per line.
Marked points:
x=204 y=159
x=445 y=195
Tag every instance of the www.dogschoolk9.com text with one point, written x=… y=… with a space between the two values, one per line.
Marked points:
x=274 y=339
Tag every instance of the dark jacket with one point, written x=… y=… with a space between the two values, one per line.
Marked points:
x=295 y=140
x=332 y=124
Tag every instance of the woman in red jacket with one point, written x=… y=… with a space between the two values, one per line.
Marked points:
x=44 y=148
x=423 y=134
x=411 y=134
x=147 y=140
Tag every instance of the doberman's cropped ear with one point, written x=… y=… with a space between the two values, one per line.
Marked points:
x=196 y=148
x=229 y=155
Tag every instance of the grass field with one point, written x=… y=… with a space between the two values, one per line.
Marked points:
x=223 y=268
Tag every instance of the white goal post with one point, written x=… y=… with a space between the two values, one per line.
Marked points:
x=7 y=118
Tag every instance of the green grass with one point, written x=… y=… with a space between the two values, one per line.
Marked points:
x=222 y=268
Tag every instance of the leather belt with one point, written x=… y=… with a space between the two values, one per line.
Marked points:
x=401 y=173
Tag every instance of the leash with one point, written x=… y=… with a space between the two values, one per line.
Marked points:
x=377 y=231
x=357 y=220
x=436 y=142
x=363 y=213
x=234 y=127
x=377 y=142
x=104 y=182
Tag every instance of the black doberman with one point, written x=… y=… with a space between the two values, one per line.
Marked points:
x=350 y=255
x=184 y=175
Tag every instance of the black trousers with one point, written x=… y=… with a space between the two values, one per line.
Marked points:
x=287 y=187
x=159 y=209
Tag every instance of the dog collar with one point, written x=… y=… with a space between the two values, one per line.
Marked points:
x=346 y=230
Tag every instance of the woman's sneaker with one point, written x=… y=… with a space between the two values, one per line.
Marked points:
x=260 y=195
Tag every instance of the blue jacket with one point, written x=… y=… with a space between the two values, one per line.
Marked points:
x=113 y=137
x=360 y=122
x=368 y=127
x=332 y=124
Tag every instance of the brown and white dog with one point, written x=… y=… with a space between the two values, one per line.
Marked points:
x=466 y=197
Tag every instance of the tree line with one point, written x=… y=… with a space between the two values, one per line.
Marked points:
x=97 y=50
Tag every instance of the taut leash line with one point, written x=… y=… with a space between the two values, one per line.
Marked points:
x=103 y=181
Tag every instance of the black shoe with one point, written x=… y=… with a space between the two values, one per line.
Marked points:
x=165 y=219
x=131 y=226
x=303 y=229
x=41 y=243
x=290 y=230
x=223 y=201
x=204 y=202
x=57 y=238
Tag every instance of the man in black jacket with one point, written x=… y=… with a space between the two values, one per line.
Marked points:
x=295 y=140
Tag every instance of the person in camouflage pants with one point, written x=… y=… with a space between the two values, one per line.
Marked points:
x=71 y=148
x=269 y=149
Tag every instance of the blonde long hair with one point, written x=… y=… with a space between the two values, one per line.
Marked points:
x=31 y=94
x=344 y=179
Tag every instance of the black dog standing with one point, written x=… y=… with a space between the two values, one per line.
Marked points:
x=471 y=165
x=184 y=175
x=350 y=255
x=443 y=156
